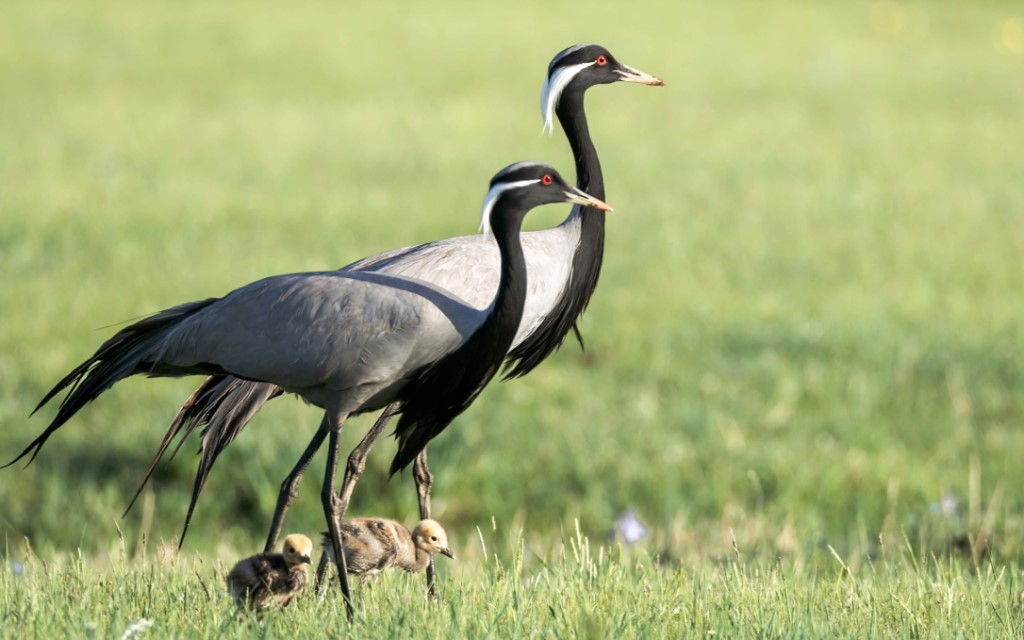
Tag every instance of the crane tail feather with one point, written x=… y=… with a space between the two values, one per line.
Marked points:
x=123 y=355
x=225 y=405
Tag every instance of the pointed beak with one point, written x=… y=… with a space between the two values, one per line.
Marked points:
x=306 y=560
x=578 y=197
x=629 y=74
x=448 y=552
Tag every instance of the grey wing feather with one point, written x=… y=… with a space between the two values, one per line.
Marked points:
x=470 y=267
x=349 y=328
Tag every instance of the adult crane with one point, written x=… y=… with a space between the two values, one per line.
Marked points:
x=347 y=342
x=563 y=265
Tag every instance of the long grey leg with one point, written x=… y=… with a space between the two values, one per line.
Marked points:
x=290 y=486
x=331 y=505
x=424 y=481
x=354 y=470
x=357 y=459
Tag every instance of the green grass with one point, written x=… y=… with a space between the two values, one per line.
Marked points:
x=807 y=333
x=571 y=590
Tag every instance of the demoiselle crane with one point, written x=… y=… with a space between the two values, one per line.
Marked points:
x=347 y=342
x=563 y=265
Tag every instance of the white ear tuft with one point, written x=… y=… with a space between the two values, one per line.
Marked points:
x=556 y=83
x=492 y=197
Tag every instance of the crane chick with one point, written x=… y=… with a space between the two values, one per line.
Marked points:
x=372 y=545
x=266 y=579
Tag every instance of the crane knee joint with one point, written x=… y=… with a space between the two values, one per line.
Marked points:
x=355 y=466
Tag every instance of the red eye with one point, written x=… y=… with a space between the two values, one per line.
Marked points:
x=601 y=61
x=546 y=180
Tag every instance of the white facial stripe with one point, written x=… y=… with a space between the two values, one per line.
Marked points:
x=565 y=52
x=492 y=197
x=553 y=91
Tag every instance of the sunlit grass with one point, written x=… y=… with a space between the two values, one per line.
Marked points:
x=506 y=586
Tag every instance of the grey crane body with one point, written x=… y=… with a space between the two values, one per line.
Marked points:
x=347 y=342
x=343 y=342
x=350 y=341
x=470 y=267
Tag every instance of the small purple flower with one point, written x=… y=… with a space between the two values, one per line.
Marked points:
x=629 y=527
x=947 y=506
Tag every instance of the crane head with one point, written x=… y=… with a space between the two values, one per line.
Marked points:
x=580 y=67
x=525 y=185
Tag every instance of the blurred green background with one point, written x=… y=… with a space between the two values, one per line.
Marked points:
x=808 y=328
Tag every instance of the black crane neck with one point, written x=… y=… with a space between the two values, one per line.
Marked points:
x=510 y=299
x=446 y=388
x=573 y=118
x=589 y=253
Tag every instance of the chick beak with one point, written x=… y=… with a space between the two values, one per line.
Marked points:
x=578 y=197
x=629 y=74
x=448 y=552
x=305 y=560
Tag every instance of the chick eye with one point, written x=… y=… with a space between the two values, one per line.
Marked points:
x=546 y=180
x=601 y=61
x=291 y=549
x=433 y=538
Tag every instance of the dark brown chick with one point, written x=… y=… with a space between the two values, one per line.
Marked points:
x=269 y=579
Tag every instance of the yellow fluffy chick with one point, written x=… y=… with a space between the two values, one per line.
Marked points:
x=267 y=579
x=372 y=545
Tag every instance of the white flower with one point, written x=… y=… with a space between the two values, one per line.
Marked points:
x=136 y=629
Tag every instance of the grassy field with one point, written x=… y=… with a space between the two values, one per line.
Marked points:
x=803 y=364
x=570 y=591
